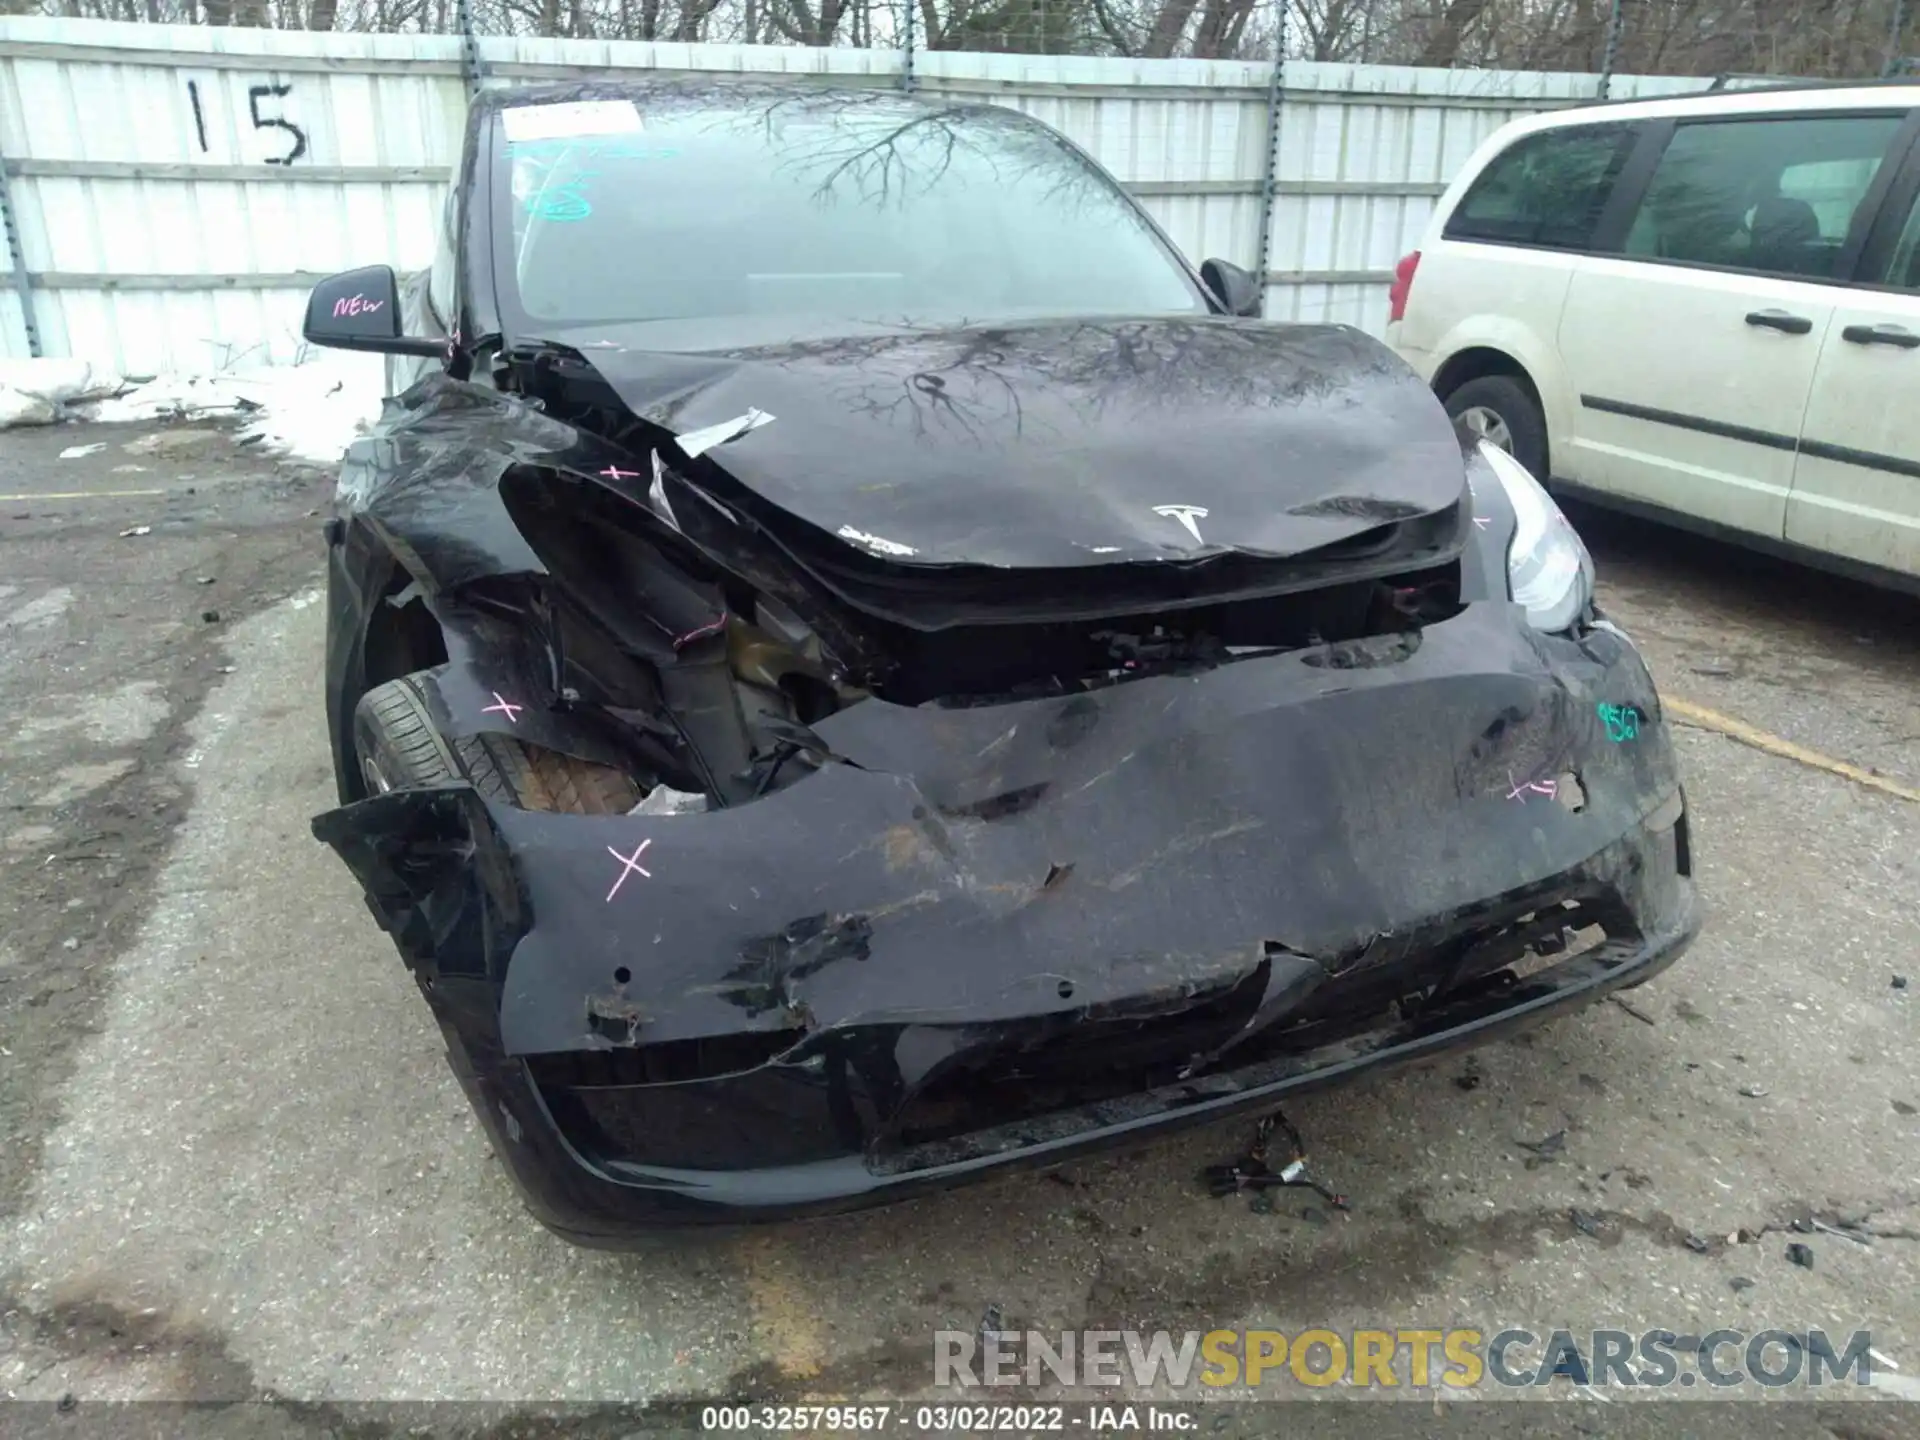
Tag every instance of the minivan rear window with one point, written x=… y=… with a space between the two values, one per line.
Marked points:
x=1545 y=189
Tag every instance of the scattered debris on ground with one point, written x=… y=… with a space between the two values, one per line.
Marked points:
x=1545 y=1151
x=1253 y=1172
x=1585 y=1221
x=1801 y=1255
x=1628 y=1006
x=993 y=1321
x=994 y=1331
x=1844 y=1234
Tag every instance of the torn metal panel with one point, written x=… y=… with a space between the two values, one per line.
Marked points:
x=874 y=891
x=695 y=443
x=500 y=681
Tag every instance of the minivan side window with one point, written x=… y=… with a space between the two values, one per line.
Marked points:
x=1775 y=196
x=1545 y=189
x=1903 y=262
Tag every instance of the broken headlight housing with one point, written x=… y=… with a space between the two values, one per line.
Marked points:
x=1548 y=569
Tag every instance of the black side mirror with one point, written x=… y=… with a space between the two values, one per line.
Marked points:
x=360 y=310
x=1234 y=290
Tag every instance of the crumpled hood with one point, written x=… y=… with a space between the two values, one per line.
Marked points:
x=1067 y=443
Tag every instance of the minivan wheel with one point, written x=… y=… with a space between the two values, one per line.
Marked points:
x=1499 y=410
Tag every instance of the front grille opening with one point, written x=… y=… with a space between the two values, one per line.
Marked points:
x=1360 y=623
x=670 y=1062
x=700 y=1127
x=1492 y=950
x=1062 y=1065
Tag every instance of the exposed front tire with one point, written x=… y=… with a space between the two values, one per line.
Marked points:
x=399 y=747
x=1501 y=410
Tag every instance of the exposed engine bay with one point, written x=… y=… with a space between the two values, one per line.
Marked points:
x=716 y=628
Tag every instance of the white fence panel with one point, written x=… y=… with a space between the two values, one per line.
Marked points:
x=177 y=189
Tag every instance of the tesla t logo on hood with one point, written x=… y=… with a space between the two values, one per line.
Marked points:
x=1185 y=514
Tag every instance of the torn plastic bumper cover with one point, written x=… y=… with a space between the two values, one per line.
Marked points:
x=1007 y=934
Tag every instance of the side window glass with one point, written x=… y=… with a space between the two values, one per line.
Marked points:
x=1774 y=196
x=1547 y=189
x=1903 y=264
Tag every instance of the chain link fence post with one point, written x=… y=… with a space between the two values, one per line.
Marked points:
x=906 y=52
x=1276 y=91
x=469 y=47
x=16 y=254
x=1612 y=51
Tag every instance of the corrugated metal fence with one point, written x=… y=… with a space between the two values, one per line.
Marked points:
x=176 y=189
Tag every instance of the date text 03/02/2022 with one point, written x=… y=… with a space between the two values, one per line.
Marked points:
x=949 y=1419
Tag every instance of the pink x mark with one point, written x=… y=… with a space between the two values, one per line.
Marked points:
x=501 y=707
x=614 y=472
x=1549 y=788
x=628 y=864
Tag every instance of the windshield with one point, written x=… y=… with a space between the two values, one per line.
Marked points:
x=874 y=210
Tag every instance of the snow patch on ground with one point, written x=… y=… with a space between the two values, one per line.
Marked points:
x=34 y=391
x=308 y=412
x=311 y=411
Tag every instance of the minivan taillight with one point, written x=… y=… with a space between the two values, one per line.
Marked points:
x=1402 y=287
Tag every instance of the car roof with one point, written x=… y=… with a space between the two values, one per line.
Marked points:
x=680 y=88
x=1786 y=97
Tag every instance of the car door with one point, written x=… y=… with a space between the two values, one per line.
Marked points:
x=1856 y=480
x=1692 y=346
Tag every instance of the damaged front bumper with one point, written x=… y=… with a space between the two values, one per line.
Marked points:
x=1009 y=934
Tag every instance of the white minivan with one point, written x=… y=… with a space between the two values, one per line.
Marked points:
x=1705 y=308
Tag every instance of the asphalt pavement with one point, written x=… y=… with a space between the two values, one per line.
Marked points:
x=234 y=1165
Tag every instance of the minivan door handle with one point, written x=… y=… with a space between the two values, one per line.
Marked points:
x=1881 y=335
x=1780 y=320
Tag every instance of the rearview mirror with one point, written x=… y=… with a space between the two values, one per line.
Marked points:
x=360 y=310
x=1236 y=291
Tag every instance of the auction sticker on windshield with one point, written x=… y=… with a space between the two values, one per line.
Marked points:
x=574 y=117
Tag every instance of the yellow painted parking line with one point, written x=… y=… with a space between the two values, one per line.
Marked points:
x=784 y=1315
x=1689 y=713
x=76 y=495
